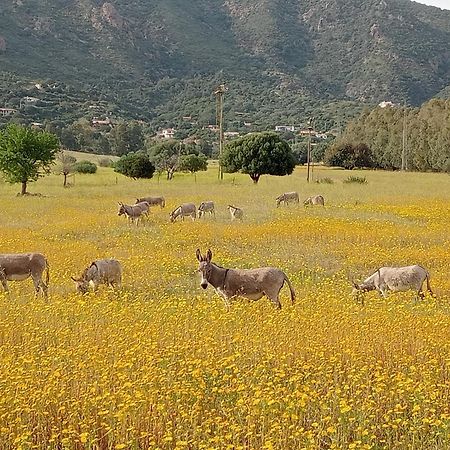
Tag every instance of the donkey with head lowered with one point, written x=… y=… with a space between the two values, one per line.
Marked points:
x=20 y=266
x=236 y=213
x=315 y=200
x=206 y=207
x=249 y=283
x=394 y=279
x=184 y=210
x=286 y=198
x=101 y=271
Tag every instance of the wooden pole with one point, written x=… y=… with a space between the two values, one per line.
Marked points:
x=220 y=92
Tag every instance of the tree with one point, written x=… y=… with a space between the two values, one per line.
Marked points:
x=66 y=165
x=165 y=155
x=126 y=138
x=26 y=154
x=193 y=163
x=258 y=154
x=135 y=165
x=349 y=156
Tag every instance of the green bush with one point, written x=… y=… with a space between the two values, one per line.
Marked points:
x=135 y=165
x=85 y=167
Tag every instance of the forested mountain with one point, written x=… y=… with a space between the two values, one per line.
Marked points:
x=159 y=60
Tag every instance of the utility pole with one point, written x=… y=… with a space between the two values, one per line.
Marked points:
x=220 y=93
x=404 y=142
x=308 y=155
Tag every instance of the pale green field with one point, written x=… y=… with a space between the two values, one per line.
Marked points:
x=160 y=364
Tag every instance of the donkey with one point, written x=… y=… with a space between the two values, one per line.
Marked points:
x=101 y=271
x=185 y=209
x=206 y=207
x=236 y=213
x=394 y=279
x=153 y=201
x=133 y=212
x=20 y=266
x=287 y=198
x=315 y=200
x=249 y=283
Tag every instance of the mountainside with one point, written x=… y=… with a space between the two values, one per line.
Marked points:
x=160 y=59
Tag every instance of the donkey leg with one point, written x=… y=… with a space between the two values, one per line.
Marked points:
x=274 y=298
x=37 y=284
x=5 y=285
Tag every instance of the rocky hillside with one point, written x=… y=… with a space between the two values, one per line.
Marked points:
x=145 y=58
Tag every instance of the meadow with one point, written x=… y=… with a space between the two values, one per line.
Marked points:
x=160 y=364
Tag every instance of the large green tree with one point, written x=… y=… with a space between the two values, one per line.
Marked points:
x=258 y=154
x=135 y=165
x=26 y=154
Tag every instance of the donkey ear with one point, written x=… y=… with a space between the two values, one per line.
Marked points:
x=198 y=254
x=209 y=255
x=74 y=279
x=355 y=285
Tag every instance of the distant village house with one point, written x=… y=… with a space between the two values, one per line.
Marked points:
x=166 y=133
x=4 y=112
x=96 y=122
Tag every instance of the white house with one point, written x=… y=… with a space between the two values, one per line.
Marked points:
x=166 y=133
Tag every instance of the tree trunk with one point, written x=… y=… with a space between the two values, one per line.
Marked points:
x=65 y=179
x=24 y=188
x=255 y=177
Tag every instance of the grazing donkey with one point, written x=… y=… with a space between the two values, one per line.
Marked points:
x=153 y=201
x=20 y=266
x=315 y=200
x=249 y=283
x=394 y=279
x=236 y=213
x=102 y=271
x=133 y=212
x=185 y=209
x=287 y=198
x=206 y=207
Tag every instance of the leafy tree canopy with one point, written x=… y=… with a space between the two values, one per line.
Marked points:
x=349 y=156
x=258 y=154
x=164 y=155
x=193 y=163
x=26 y=154
x=135 y=165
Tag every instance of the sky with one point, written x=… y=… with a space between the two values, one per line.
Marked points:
x=444 y=4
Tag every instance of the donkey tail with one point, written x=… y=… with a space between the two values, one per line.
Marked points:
x=290 y=288
x=47 y=272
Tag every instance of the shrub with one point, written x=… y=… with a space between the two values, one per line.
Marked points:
x=325 y=180
x=85 y=167
x=135 y=165
x=358 y=180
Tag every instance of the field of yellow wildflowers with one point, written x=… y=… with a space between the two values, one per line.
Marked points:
x=161 y=365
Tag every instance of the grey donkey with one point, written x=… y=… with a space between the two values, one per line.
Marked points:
x=252 y=284
x=101 y=271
